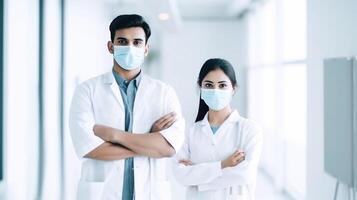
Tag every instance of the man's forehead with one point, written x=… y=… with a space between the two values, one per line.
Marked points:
x=130 y=33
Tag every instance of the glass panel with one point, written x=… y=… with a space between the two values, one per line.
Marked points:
x=262 y=29
x=1 y=84
x=294 y=25
x=294 y=125
x=267 y=34
x=263 y=107
x=21 y=98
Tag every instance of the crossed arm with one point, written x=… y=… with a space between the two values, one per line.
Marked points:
x=121 y=145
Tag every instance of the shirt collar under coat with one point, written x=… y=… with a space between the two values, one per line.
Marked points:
x=123 y=83
x=110 y=79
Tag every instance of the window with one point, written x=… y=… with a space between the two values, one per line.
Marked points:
x=1 y=84
x=277 y=89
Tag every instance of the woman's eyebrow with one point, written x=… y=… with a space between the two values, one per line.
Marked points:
x=222 y=81
x=208 y=81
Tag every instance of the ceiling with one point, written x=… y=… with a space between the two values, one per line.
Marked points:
x=205 y=9
x=176 y=11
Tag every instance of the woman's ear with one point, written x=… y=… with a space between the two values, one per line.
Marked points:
x=235 y=89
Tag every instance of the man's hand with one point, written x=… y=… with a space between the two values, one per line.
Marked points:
x=186 y=162
x=107 y=133
x=234 y=159
x=164 y=122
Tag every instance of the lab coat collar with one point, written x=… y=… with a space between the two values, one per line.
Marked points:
x=123 y=82
x=233 y=117
x=110 y=79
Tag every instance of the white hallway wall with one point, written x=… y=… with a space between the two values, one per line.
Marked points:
x=332 y=32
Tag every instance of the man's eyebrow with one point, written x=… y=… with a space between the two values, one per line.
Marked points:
x=121 y=38
x=138 y=39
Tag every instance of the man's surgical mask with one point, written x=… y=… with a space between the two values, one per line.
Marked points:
x=128 y=57
x=216 y=99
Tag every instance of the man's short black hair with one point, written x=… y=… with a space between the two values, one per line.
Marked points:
x=128 y=21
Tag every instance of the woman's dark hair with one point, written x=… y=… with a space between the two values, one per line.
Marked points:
x=128 y=21
x=212 y=65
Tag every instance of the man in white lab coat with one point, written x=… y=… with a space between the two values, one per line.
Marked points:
x=125 y=124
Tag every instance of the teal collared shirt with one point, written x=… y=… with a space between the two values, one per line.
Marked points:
x=214 y=129
x=128 y=90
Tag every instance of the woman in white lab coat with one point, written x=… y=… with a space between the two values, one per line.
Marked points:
x=219 y=159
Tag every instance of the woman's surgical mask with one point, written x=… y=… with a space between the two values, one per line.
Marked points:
x=129 y=57
x=216 y=99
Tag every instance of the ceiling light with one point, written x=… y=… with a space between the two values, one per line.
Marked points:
x=163 y=16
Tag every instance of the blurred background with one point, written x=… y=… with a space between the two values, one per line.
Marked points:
x=276 y=46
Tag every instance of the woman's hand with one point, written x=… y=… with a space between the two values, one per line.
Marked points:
x=234 y=159
x=107 y=133
x=164 y=122
x=186 y=162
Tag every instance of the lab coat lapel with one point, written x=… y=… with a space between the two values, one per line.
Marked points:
x=109 y=79
x=116 y=92
x=140 y=97
x=231 y=121
x=206 y=128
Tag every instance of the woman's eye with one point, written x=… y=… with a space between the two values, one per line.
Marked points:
x=222 y=86
x=208 y=85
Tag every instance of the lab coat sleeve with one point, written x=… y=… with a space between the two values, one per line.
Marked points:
x=81 y=122
x=244 y=173
x=175 y=134
x=194 y=174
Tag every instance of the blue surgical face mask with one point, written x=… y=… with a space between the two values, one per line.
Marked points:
x=216 y=99
x=128 y=57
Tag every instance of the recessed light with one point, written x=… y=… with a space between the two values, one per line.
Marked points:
x=164 y=16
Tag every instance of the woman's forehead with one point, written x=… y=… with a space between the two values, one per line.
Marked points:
x=216 y=75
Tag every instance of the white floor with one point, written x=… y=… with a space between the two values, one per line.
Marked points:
x=266 y=191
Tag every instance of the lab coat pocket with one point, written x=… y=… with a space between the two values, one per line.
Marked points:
x=90 y=190
x=238 y=193
x=238 y=197
x=95 y=170
x=161 y=190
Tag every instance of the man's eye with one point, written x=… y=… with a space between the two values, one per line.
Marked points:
x=138 y=43
x=122 y=42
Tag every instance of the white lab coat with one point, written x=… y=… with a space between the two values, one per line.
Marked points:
x=205 y=179
x=98 y=100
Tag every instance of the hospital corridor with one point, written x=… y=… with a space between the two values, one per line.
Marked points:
x=178 y=99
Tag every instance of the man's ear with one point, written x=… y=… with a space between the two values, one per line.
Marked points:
x=146 y=49
x=110 y=47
